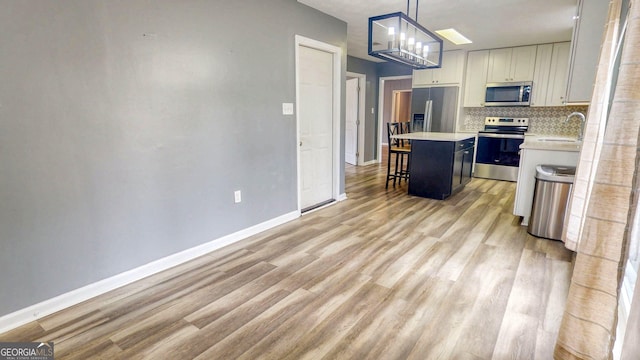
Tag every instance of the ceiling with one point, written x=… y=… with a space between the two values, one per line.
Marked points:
x=488 y=23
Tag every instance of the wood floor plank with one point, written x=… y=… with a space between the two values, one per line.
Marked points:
x=455 y=265
x=132 y=312
x=529 y=284
x=381 y=275
x=325 y=302
x=421 y=312
x=364 y=336
x=156 y=350
x=215 y=309
x=403 y=264
x=440 y=336
x=259 y=327
x=31 y=330
x=227 y=324
x=494 y=293
x=97 y=349
x=333 y=330
x=517 y=337
x=554 y=295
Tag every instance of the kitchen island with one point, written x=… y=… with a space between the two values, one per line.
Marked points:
x=441 y=163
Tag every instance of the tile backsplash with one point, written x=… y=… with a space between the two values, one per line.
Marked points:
x=542 y=120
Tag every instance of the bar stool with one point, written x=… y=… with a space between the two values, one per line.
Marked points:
x=401 y=149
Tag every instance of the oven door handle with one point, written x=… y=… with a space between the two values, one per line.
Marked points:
x=501 y=136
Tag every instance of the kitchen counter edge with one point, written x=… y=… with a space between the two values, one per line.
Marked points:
x=532 y=142
x=435 y=136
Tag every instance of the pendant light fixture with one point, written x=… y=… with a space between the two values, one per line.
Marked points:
x=396 y=37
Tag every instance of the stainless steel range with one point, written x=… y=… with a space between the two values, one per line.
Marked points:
x=498 y=148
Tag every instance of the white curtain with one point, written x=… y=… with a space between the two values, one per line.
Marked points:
x=594 y=132
x=612 y=186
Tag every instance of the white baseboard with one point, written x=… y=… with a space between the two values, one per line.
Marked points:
x=342 y=197
x=50 y=306
x=370 y=162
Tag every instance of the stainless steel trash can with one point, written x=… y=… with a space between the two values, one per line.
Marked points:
x=550 y=198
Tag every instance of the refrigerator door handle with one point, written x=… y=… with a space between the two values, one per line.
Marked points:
x=428 y=115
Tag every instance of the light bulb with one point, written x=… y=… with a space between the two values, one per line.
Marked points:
x=391 y=42
x=419 y=51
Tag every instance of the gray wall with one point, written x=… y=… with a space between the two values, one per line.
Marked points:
x=393 y=69
x=126 y=125
x=374 y=72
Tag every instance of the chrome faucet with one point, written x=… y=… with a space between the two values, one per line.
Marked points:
x=582 y=122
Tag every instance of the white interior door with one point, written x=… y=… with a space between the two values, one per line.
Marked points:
x=316 y=126
x=351 y=126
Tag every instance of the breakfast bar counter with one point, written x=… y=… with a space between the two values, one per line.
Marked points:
x=435 y=136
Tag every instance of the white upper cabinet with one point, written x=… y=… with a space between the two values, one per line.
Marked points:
x=476 y=78
x=546 y=65
x=512 y=64
x=558 y=74
x=499 y=65
x=450 y=72
x=550 y=76
x=541 y=75
x=585 y=49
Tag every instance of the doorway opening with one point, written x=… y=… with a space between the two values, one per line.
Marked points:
x=355 y=118
x=388 y=87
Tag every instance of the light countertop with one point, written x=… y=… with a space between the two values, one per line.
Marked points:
x=435 y=136
x=553 y=143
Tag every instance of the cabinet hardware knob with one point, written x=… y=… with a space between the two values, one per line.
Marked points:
x=300 y=143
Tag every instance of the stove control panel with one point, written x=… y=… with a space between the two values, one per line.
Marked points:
x=506 y=121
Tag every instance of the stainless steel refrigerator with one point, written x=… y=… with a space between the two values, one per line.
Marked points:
x=434 y=109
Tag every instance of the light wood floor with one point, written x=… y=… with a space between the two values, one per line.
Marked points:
x=381 y=275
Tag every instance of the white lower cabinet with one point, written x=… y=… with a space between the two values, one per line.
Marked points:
x=529 y=159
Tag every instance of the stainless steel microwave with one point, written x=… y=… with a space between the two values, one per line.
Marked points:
x=508 y=94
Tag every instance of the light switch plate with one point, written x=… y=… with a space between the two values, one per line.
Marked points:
x=287 y=108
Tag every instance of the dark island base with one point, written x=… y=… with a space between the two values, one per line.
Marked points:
x=440 y=168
